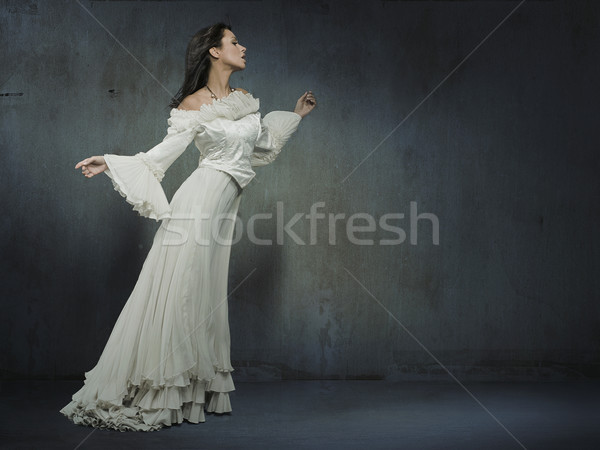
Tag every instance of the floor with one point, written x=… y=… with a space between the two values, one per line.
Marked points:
x=333 y=415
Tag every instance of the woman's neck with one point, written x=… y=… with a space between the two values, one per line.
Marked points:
x=218 y=82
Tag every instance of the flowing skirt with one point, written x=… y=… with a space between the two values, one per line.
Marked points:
x=167 y=357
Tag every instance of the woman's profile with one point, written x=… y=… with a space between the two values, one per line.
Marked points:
x=168 y=356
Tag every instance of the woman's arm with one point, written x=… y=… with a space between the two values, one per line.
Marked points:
x=276 y=129
x=138 y=177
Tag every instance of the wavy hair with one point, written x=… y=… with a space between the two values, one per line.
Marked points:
x=197 y=60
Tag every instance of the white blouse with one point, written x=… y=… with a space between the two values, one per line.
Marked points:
x=230 y=134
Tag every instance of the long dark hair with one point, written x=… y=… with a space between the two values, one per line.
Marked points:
x=197 y=60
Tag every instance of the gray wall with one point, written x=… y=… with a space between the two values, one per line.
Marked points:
x=504 y=152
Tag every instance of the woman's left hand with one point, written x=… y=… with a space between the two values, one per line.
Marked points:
x=305 y=104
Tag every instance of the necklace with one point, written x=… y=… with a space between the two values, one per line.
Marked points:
x=212 y=94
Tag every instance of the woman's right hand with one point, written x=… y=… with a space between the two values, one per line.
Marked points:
x=92 y=166
x=305 y=104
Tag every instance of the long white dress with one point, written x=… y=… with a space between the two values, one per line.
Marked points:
x=168 y=355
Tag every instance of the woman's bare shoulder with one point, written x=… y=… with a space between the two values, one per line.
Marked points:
x=200 y=97
x=196 y=100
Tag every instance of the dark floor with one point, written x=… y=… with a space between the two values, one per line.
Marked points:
x=332 y=415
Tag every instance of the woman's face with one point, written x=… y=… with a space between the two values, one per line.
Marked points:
x=232 y=53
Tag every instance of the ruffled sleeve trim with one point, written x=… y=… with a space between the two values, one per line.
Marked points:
x=181 y=121
x=276 y=129
x=138 y=180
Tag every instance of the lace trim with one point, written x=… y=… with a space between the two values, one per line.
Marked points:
x=281 y=126
x=279 y=140
x=156 y=171
x=234 y=106
x=266 y=156
x=143 y=207
x=142 y=407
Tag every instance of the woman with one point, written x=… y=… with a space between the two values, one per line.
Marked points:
x=167 y=358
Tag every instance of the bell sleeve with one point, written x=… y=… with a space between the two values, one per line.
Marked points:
x=276 y=129
x=138 y=177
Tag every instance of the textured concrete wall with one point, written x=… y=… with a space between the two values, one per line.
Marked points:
x=501 y=146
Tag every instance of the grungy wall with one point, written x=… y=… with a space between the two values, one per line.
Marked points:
x=483 y=121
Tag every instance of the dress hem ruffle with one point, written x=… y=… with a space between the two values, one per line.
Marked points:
x=144 y=408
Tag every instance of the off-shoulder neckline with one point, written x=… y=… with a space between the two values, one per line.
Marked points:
x=214 y=102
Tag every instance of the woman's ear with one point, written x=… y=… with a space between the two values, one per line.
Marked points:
x=214 y=52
